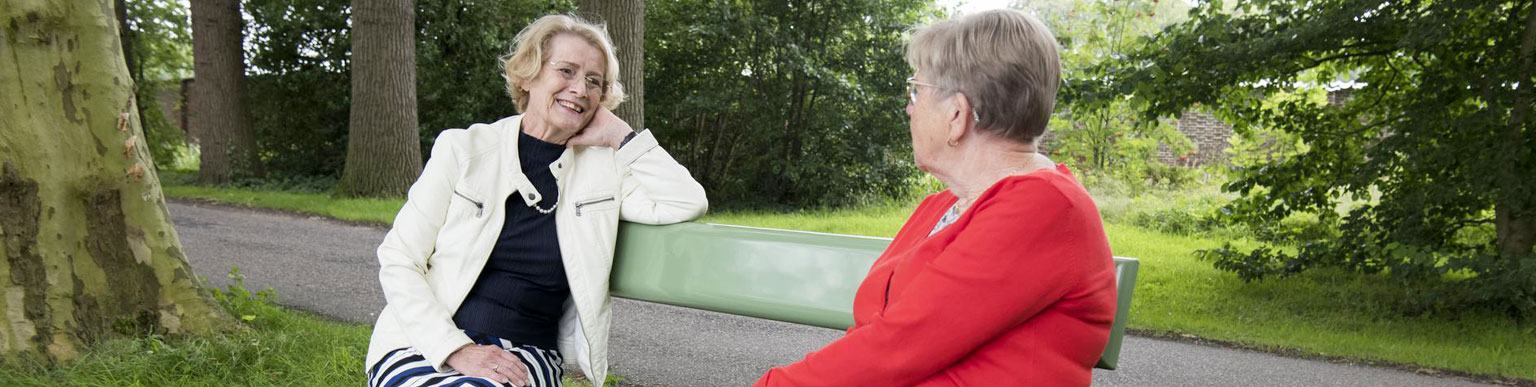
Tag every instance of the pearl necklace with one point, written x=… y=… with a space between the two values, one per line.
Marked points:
x=535 y=206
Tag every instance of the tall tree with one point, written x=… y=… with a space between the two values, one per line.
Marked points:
x=217 y=114
x=1435 y=151
x=125 y=35
x=89 y=247
x=300 y=74
x=383 y=152
x=626 y=25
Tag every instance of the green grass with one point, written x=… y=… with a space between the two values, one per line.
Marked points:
x=1323 y=312
x=268 y=346
x=361 y=210
x=1327 y=313
x=271 y=346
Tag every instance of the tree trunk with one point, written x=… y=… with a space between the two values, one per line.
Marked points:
x=383 y=147
x=89 y=247
x=1514 y=217
x=217 y=110
x=125 y=35
x=626 y=25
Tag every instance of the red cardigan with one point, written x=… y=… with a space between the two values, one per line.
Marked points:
x=1020 y=291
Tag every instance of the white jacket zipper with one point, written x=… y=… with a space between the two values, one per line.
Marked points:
x=479 y=207
x=593 y=201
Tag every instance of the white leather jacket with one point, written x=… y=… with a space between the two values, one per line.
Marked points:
x=453 y=215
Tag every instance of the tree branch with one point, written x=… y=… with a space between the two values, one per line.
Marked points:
x=1321 y=61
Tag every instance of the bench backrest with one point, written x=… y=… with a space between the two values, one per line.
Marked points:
x=793 y=276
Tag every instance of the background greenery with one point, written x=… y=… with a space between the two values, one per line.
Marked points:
x=1363 y=229
x=1331 y=312
x=778 y=102
x=1423 y=174
x=836 y=70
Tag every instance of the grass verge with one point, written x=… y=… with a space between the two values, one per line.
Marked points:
x=271 y=346
x=1329 y=314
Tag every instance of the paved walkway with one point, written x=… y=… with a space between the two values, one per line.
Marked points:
x=328 y=267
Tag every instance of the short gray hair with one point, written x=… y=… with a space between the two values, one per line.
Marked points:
x=1005 y=61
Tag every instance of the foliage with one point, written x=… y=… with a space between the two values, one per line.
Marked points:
x=241 y=302
x=1107 y=137
x=1329 y=312
x=299 y=87
x=165 y=140
x=161 y=36
x=1433 y=153
x=766 y=101
x=161 y=45
x=457 y=45
x=297 y=84
x=783 y=102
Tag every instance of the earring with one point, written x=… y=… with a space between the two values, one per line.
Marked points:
x=953 y=142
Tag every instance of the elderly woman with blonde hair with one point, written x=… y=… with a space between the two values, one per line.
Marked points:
x=496 y=269
x=1005 y=278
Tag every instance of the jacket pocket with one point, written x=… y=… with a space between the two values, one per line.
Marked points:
x=596 y=203
x=479 y=205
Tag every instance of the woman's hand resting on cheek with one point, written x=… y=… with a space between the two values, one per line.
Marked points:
x=606 y=129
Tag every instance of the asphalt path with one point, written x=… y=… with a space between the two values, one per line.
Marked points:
x=328 y=267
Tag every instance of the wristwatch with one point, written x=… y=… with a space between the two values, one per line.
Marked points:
x=631 y=136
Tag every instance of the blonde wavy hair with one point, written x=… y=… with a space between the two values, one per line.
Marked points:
x=530 y=52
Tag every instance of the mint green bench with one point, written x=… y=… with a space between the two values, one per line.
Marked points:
x=793 y=276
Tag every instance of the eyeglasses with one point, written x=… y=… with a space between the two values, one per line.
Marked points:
x=568 y=71
x=912 y=84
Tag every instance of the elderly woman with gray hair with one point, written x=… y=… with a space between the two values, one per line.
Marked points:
x=1005 y=278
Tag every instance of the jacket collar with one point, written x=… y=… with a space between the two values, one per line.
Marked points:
x=518 y=181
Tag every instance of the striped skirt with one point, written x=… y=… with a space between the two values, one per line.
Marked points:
x=405 y=367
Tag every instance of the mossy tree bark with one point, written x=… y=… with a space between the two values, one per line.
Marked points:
x=216 y=107
x=89 y=247
x=626 y=25
x=383 y=146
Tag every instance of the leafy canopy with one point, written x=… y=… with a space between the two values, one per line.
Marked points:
x=1106 y=137
x=794 y=102
x=1423 y=173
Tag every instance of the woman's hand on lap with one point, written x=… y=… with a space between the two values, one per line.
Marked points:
x=490 y=362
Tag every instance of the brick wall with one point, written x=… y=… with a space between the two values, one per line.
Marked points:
x=172 y=100
x=1340 y=96
x=1209 y=136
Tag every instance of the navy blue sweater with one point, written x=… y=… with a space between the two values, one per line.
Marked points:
x=521 y=293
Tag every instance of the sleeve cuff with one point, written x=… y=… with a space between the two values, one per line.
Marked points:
x=643 y=142
x=437 y=354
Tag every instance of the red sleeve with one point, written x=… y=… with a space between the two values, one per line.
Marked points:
x=1002 y=269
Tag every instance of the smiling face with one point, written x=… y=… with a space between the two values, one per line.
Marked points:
x=567 y=91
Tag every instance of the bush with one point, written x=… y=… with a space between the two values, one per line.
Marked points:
x=771 y=104
x=1189 y=210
